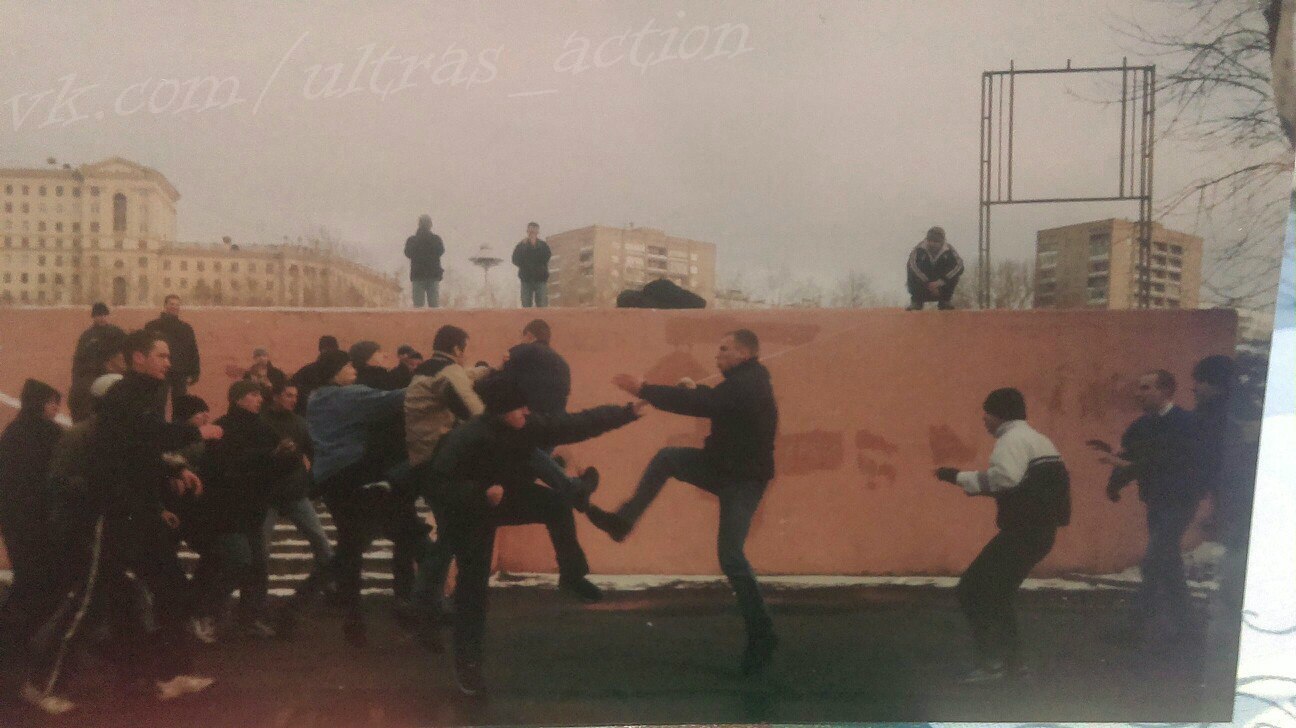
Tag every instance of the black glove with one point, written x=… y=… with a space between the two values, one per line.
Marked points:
x=949 y=475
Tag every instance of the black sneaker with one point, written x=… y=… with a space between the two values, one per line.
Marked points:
x=353 y=630
x=759 y=653
x=468 y=678
x=582 y=588
x=615 y=526
x=589 y=478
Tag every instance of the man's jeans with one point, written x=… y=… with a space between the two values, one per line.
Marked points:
x=301 y=513
x=535 y=294
x=739 y=500
x=426 y=292
x=1163 y=595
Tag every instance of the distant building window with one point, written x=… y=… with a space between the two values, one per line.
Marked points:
x=26 y=208
x=119 y=213
x=1099 y=248
x=1176 y=249
x=8 y=189
x=201 y=266
x=233 y=267
x=58 y=227
x=76 y=191
x=143 y=262
x=42 y=190
x=166 y=265
x=26 y=190
x=1176 y=263
x=1175 y=276
x=184 y=265
x=94 y=227
x=40 y=278
x=184 y=282
x=58 y=191
x=94 y=191
x=23 y=278
x=76 y=227
x=40 y=260
x=58 y=279
x=40 y=226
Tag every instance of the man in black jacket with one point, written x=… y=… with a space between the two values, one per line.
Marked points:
x=933 y=272
x=1162 y=451
x=92 y=348
x=310 y=377
x=736 y=464
x=531 y=256
x=541 y=373
x=132 y=447
x=182 y=345
x=484 y=478
x=424 y=250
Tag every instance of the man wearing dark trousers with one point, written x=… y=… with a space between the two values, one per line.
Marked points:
x=182 y=344
x=531 y=256
x=1031 y=489
x=1161 y=451
x=933 y=272
x=133 y=451
x=424 y=249
x=483 y=478
x=736 y=464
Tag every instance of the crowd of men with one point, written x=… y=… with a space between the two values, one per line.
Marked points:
x=145 y=466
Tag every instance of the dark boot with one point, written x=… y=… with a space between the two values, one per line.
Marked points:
x=759 y=652
x=582 y=588
x=614 y=525
x=589 y=479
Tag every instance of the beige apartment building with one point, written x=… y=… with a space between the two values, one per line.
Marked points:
x=107 y=232
x=1095 y=265
x=591 y=265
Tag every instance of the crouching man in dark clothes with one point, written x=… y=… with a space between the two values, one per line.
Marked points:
x=736 y=463
x=483 y=476
x=1032 y=493
x=133 y=547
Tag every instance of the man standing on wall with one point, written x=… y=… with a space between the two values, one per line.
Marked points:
x=183 y=345
x=424 y=250
x=531 y=256
x=92 y=349
x=933 y=272
x=735 y=463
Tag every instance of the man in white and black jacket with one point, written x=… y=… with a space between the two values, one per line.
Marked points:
x=1032 y=491
x=934 y=270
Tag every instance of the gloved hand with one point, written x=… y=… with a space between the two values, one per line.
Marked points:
x=949 y=475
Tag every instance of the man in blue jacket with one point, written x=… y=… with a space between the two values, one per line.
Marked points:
x=736 y=463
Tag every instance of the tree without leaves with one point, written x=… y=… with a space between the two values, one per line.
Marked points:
x=1230 y=87
x=1012 y=286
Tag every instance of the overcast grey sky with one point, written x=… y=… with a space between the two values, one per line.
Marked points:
x=812 y=138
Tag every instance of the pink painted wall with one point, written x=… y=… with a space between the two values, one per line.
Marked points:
x=871 y=402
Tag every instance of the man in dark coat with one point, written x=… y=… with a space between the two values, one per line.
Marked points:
x=249 y=458
x=264 y=373
x=290 y=495
x=26 y=449
x=735 y=463
x=1163 y=451
x=542 y=374
x=531 y=256
x=484 y=478
x=933 y=271
x=92 y=348
x=424 y=250
x=183 y=345
x=133 y=449
x=310 y=376
x=407 y=360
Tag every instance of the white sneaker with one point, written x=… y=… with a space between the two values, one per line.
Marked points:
x=182 y=685
x=50 y=704
x=203 y=629
x=382 y=485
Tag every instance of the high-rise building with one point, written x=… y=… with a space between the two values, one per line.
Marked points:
x=107 y=232
x=1095 y=265
x=591 y=265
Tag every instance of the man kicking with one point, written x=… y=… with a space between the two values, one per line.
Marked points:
x=736 y=464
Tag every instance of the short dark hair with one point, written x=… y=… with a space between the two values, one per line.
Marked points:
x=539 y=328
x=170 y=296
x=1165 y=381
x=140 y=342
x=746 y=338
x=99 y=309
x=328 y=343
x=535 y=225
x=449 y=337
x=278 y=388
x=1217 y=370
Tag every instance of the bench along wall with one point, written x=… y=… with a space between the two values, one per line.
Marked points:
x=871 y=402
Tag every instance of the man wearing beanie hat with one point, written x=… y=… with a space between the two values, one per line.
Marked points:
x=341 y=415
x=1031 y=489
x=1162 y=451
x=933 y=271
x=308 y=377
x=94 y=345
x=483 y=478
x=242 y=466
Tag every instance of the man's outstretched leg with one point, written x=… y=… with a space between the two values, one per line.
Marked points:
x=682 y=463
